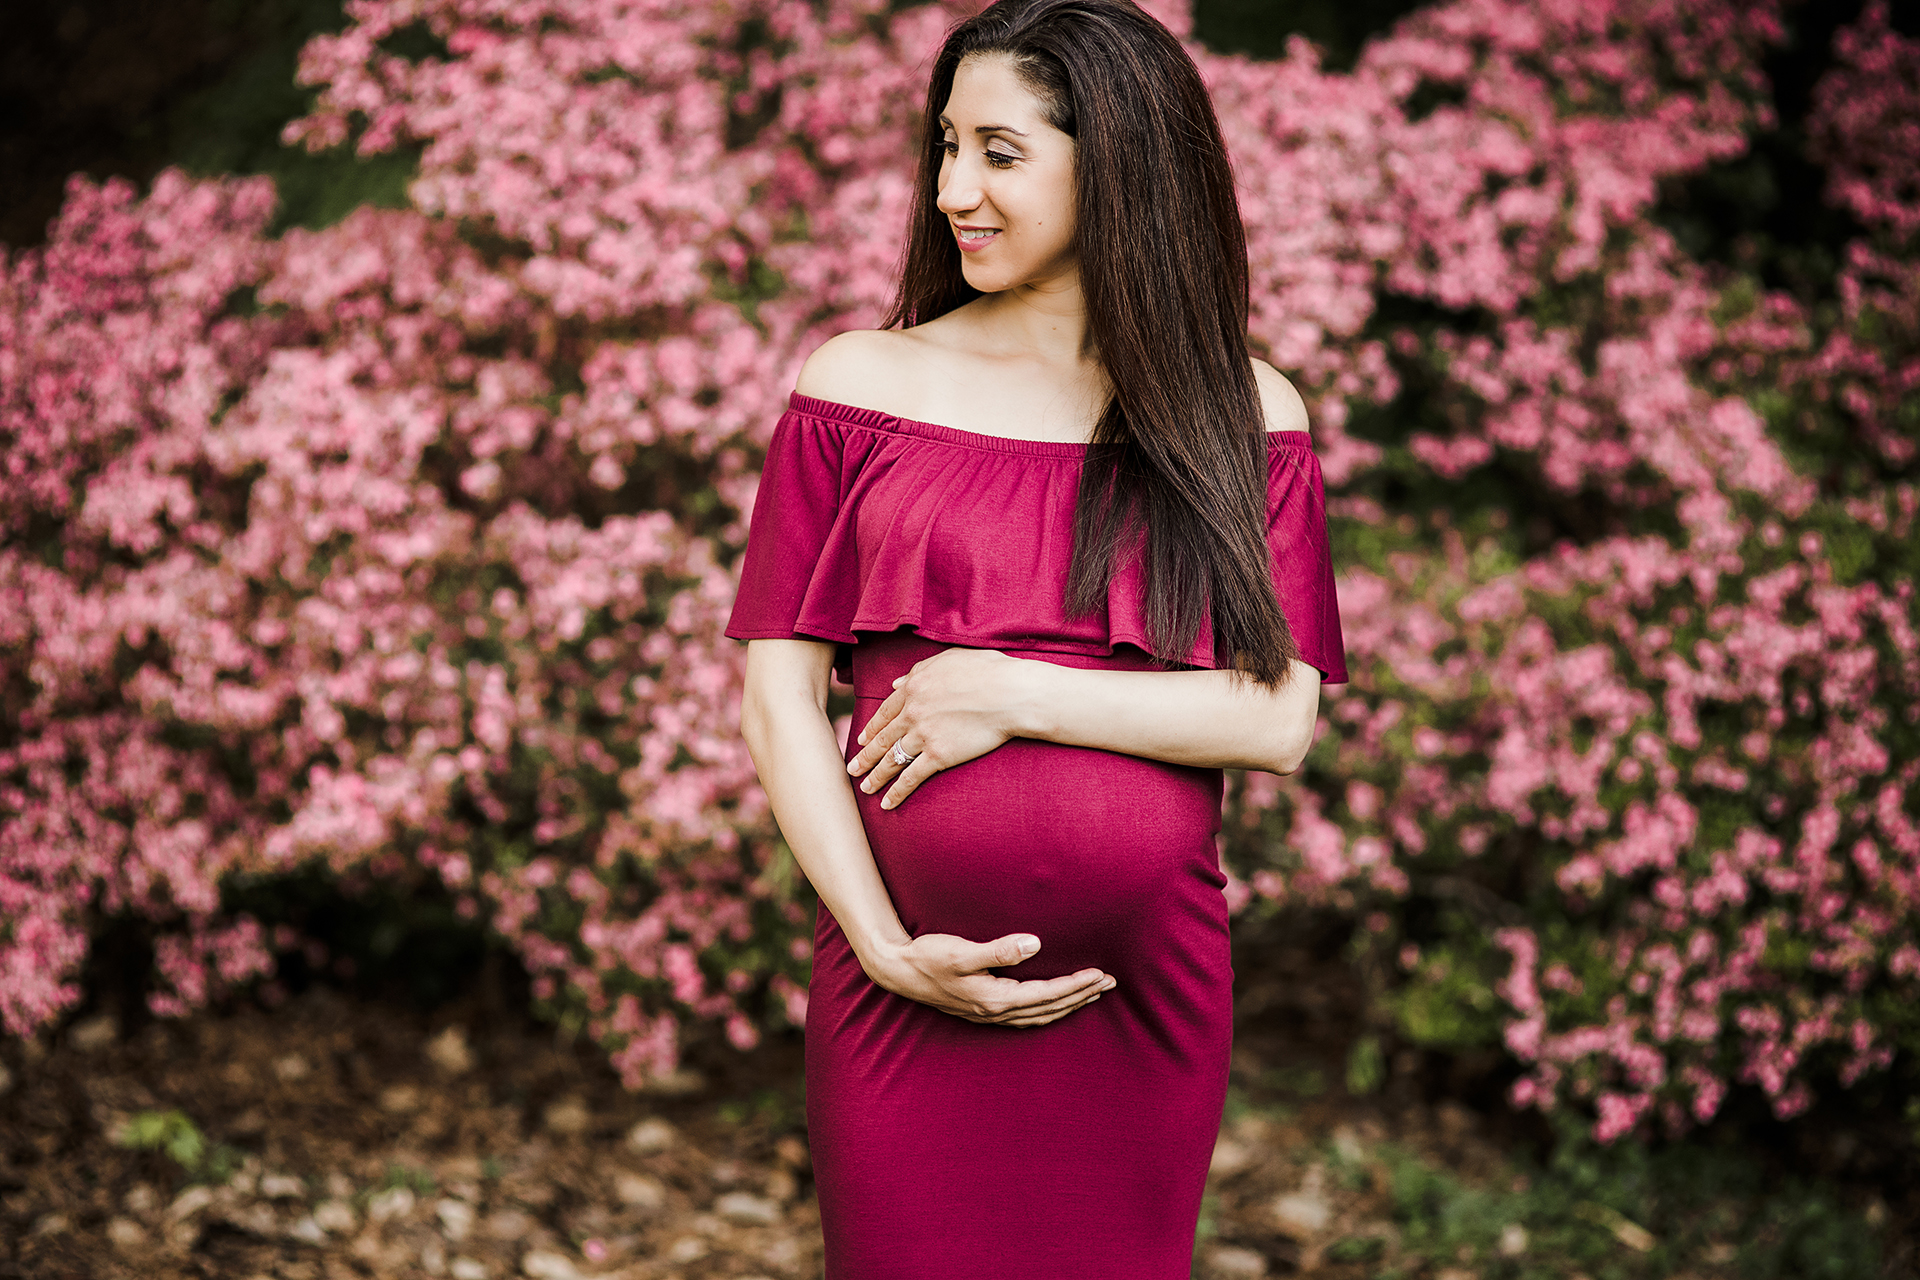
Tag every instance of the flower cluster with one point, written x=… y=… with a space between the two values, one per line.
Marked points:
x=1639 y=756
x=405 y=546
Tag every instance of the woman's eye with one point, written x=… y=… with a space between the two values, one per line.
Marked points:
x=994 y=158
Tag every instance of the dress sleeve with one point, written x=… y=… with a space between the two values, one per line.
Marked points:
x=796 y=512
x=1303 y=559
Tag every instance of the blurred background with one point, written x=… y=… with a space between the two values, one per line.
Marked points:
x=382 y=388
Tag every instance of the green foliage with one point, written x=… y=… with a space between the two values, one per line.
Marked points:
x=1625 y=1213
x=1451 y=1004
x=174 y=1135
x=1263 y=27
x=418 y=1181
x=1366 y=1066
x=232 y=126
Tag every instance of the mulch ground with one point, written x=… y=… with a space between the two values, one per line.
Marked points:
x=347 y=1138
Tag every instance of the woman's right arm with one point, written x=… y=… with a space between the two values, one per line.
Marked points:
x=783 y=716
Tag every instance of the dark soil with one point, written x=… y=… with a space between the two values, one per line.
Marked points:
x=345 y=1136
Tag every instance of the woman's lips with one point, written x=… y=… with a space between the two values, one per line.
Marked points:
x=978 y=242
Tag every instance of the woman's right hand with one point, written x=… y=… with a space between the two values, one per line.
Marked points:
x=952 y=974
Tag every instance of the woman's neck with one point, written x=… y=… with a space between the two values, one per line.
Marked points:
x=1046 y=319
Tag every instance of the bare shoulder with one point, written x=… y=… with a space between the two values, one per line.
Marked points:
x=865 y=368
x=1279 y=402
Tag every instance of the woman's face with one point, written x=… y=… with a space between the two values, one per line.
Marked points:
x=1006 y=179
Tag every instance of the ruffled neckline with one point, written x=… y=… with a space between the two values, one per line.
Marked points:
x=893 y=424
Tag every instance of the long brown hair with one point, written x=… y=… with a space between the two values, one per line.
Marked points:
x=1179 y=455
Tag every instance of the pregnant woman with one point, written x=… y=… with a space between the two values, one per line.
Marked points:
x=1068 y=544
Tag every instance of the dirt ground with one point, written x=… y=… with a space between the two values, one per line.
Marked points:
x=344 y=1137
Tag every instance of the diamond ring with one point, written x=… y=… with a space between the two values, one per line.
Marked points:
x=900 y=757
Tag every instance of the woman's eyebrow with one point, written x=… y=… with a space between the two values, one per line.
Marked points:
x=988 y=128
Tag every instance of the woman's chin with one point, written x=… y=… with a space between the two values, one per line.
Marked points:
x=984 y=280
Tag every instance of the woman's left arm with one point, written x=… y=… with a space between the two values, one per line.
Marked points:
x=962 y=703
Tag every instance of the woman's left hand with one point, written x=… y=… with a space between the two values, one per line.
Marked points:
x=946 y=710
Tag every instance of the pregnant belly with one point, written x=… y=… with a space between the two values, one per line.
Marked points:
x=1105 y=857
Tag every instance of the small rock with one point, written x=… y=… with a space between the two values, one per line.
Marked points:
x=784 y=1253
x=1346 y=1143
x=637 y=1191
x=1455 y=1273
x=1513 y=1240
x=467 y=1269
x=282 y=1186
x=190 y=1202
x=450 y=1052
x=541 y=1264
x=461 y=1169
x=456 y=1219
x=675 y=1084
x=141 y=1200
x=1302 y=1214
x=94 y=1034
x=744 y=1210
x=335 y=1216
x=790 y=1150
x=1229 y=1157
x=307 y=1231
x=509 y=1224
x=6 y=1079
x=291 y=1068
x=567 y=1116
x=50 y=1224
x=782 y=1186
x=400 y=1099
x=1231 y=1261
x=394 y=1202
x=650 y=1135
x=125 y=1233
x=1254 y=1130
x=687 y=1249
x=255 y=1219
x=433 y=1258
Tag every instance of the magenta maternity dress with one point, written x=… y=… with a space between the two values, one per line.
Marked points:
x=943 y=1149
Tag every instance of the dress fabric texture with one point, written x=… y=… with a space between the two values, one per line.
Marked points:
x=943 y=1149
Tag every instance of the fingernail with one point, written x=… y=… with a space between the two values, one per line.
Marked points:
x=1028 y=945
x=863 y=739
x=1108 y=985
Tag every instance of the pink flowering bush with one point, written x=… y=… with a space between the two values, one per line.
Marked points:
x=1627 y=787
x=403 y=548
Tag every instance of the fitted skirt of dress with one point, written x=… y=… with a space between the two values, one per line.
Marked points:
x=947 y=1150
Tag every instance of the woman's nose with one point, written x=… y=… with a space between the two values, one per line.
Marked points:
x=959 y=191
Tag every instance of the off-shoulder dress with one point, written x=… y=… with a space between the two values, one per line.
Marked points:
x=944 y=1149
